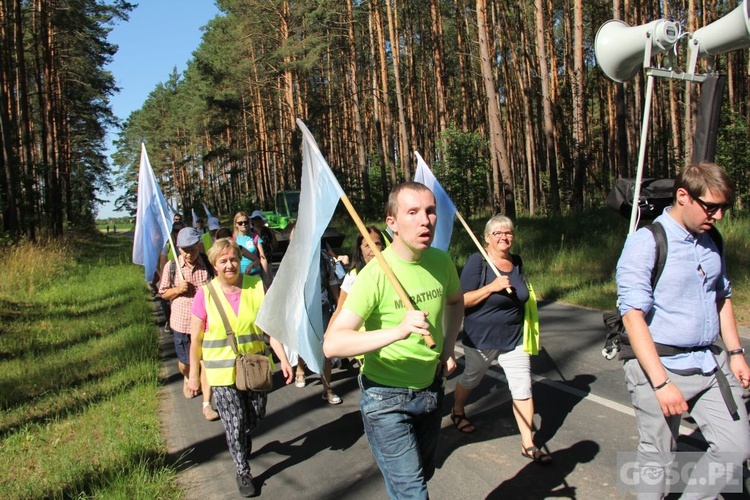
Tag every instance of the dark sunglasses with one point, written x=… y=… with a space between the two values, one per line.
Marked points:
x=242 y=223
x=712 y=208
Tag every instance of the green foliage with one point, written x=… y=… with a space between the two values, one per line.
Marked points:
x=464 y=168
x=733 y=153
x=79 y=376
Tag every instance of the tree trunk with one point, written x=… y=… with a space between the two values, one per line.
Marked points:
x=549 y=128
x=502 y=180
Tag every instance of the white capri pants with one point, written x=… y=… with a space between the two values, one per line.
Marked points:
x=516 y=364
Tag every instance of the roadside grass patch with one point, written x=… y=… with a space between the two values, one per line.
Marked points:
x=79 y=375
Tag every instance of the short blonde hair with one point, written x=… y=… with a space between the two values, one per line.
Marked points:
x=498 y=221
x=219 y=247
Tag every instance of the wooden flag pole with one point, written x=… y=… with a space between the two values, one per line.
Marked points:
x=481 y=248
x=386 y=268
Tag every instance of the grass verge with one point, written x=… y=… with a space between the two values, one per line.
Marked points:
x=79 y=375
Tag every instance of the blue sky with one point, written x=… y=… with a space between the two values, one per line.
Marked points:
x=160 y=35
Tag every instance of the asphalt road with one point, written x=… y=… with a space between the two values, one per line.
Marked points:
x=308 y=449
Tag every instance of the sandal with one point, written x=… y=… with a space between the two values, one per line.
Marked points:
x=460 y=418
x=299 y=380
x=332 y=397
x=537 y=455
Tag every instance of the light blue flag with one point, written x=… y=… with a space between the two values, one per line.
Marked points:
x=446 y=210
x=292 y=311
x=151 y=229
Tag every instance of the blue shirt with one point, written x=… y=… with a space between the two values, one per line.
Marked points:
x=496 y=322
x=247 y=243
x=682 y=310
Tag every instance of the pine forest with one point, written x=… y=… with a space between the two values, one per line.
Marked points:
x=503 y=99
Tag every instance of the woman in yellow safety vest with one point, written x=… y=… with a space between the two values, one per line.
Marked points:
x=241 y=297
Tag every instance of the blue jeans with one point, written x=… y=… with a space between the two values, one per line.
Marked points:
x=402 y=427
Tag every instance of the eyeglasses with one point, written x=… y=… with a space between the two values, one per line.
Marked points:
x=497 y=234
x=712 y=208
x=242 y=222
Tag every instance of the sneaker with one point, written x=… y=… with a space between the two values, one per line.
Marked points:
x=210 y=413
x=245 y=485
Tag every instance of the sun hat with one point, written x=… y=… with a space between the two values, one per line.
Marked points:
x=258 y=213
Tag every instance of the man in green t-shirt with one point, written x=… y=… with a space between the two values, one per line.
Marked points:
x=402 y=378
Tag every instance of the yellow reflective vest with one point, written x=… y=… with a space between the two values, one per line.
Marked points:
x=218 y=356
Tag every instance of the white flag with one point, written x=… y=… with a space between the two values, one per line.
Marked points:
x=195 y=218
x=446 y=210
x=151 y=230
x=292 y=311
x=208 y=214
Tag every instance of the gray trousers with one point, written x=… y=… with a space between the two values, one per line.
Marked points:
x=658 y=434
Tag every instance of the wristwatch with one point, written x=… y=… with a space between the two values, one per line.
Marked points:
x=737 y=352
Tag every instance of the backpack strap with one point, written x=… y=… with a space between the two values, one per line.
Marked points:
x=660 y=238
x=172 y=271
x=718 y=240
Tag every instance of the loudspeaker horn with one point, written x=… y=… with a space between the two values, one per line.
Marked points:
x=622 y=50
x=731 y=32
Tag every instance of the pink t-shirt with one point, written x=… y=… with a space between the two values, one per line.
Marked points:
x=199 y=304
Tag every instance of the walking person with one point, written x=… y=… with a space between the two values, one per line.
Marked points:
x=493 y=330
x=254 y=260
x=672 y=327
x=180 y=289
x=402 y=377
x=262 y=234
x=241 y=296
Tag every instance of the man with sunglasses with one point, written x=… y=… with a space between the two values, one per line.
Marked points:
x=672 y=328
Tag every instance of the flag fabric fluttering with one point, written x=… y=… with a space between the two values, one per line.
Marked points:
x=171 y=211
x=292 y=311
x=151 y=229
x=208 y=214
x=446 y=210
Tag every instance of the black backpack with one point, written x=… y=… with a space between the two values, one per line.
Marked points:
x=616 y=341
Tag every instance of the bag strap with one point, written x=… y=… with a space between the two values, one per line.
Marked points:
x=660 y=237
x=224 y=319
